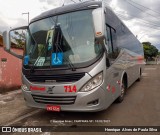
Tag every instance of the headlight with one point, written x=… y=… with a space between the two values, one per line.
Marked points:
x=24 y=87
x=94 y=82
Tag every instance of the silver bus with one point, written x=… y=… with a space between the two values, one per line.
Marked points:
x=78 y=57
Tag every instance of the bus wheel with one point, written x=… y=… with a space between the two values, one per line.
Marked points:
x=123 y=89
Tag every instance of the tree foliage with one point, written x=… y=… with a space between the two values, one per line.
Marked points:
x=149 y=50
x=18 y=39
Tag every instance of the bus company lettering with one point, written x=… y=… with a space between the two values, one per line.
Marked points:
x=37 y=88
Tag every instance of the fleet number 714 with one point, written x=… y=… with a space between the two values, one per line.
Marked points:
x=70 y=88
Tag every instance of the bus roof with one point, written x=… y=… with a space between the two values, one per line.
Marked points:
x=68 y=8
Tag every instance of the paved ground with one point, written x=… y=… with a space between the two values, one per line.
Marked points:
x=141 y=107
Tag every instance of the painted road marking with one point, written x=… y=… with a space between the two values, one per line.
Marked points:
x=22 y=117
x=150 y=68
x=144 y=74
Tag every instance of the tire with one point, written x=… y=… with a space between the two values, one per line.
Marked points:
x=123 y=90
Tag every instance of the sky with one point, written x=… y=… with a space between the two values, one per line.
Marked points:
x=142 y=17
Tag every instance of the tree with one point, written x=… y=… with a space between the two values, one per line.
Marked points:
x=18 y=39
x=149 y=50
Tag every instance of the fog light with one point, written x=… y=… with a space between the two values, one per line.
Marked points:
x=94 y=102
x=24 y=87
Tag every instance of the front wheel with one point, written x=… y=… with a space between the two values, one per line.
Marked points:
x=123 y=90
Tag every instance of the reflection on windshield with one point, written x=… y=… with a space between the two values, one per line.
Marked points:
x=76 y=41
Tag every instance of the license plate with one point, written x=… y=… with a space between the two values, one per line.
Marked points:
x=53 y=108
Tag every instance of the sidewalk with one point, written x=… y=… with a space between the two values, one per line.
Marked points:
x=5 y=89
x=152 y=62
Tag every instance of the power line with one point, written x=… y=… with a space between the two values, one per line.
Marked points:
x=148 y=22
x=148 y=26
x=151 y=23
x=153 y=27
x=144 y=21
x=145 y=7
x=139 y=21
x=73 y=1
x=140 y=9
x=76 y=2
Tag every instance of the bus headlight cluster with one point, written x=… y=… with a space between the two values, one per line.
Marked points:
x=93 y=83
x=24 y=87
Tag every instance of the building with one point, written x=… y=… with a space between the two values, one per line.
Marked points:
x=10 y=69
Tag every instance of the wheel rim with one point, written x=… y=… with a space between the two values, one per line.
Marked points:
x=122 y=90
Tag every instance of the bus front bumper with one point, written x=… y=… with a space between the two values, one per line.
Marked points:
x=92 y=101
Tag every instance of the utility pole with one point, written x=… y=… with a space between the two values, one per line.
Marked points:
x=28 y=16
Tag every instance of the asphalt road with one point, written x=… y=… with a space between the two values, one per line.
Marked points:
x=141 y=107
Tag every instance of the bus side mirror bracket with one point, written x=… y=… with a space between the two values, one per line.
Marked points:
x=7 y=41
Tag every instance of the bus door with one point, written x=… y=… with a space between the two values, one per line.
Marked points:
x=112 y=74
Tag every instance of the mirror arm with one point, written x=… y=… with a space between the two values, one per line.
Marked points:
x=14 y=54
x=22 y=27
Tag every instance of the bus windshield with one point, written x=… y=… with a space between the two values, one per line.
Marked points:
x=62 y=39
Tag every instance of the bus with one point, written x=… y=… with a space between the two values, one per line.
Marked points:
x=78 y=57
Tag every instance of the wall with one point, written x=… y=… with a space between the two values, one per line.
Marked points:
x=10 y=70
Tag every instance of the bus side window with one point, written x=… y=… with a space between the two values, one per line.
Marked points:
x=108 y=40
x=111 y=41
x=114 y=44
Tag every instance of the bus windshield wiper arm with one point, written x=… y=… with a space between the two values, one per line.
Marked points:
x=33 y=67
x=70 y=63
x=57 y=45
x=35 y=63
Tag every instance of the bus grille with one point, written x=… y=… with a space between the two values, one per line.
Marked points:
x=56 y=78
x=56 y=100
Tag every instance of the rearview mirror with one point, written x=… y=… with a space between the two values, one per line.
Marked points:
x=15 y=38
x=99 y=22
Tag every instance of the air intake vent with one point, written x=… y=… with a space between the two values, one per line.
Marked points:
x=56 y=78
x=56 y=100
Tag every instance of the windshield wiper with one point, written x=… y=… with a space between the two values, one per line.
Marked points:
x=33 y=67
x=58 y=37
x=66 y=59
x=37 y=60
